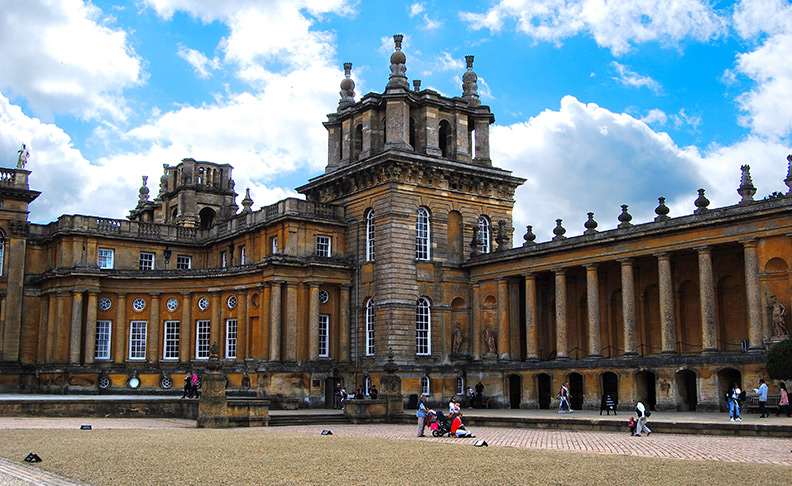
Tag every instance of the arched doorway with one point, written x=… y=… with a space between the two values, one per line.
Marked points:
x=727 y=377
x=610 y=386
x=575 y=390
x=330 y=387
x=688 y=391
x=207 y=216
x=515 y=391
x=645 y=382
x=543 y=390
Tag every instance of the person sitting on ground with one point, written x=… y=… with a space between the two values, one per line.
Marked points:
x=458 y=429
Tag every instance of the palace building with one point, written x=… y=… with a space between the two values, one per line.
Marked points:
x=403 y=250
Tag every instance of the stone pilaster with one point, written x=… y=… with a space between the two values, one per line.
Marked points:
x=90 y=327
x=242 y=326
x=120 y=330
x=291 y=322
x=52 y=327
x=153 y=338
x=503 y=319
x=75 y=333
x=753 y=297
x=666 y=295
x=628 y=308
x=313 y=320
x=531 y=319
x=185 y=331
x=216 y=322
x=560 y=312
x=343 y=334
x=709 y=337
x=592 y=299
x=477 y=320
x=275 y=320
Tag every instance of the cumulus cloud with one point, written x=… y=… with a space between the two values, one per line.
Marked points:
x=64 y=56
x=616 y=25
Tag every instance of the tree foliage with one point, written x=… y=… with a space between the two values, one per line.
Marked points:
x=779 y=360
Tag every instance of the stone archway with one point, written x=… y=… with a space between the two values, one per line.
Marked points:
x=646 y=388
x=687 y=390
x=727 y=377
x=610 y=386
x=544 y=390
x=515 y=391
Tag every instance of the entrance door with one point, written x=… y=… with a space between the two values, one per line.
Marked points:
x=610 y=386
x=543 y=391
x=515 y=391
x=330 y=386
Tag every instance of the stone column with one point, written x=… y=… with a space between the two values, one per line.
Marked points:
x=46 y=303
x=709 y=336
x=628 y=307
x=666 y=294
x=119 y=330
x=592 y=298
x=185 y=333
x=242 y=326
x=153 y=346
x=75 y=333
x=52 y=327
x=531 y=319
x=313 y=320
x=560 y=312
x=291 y=322
x=476 y=320
x=275 y=320
x=503 y=318
x=216 y=322
x=753 y=298
x=343 y=332
x=90 y=327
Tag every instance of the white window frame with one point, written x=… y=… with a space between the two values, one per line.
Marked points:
x=105 y=261
x=242 y=255
x=224 y=259
x=370 y=346
x=274 y=245
x=324 y=335
x=183 y=262
x=323 y=248
x=203 y=329
x=102 y=339
x=370 y=235
x=232 y=334
x=460 y=382
x=485 y=234
x=367 y=384
x=170 y=340
x=423 y=327
x=138 y=331
x=146 y=261
x=426 y=385
x=422 y=235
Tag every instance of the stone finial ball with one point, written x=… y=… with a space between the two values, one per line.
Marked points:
x=398 y=57
x=347 y=84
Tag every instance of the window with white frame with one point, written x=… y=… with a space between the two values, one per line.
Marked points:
x=425 y=390
x=202 y=339
x=242 y=255
x=146 y=261
x=367 y=384
x=104 y=258
x=224 y=259
x=460 y=388
x=484 y=234
x=370 y=235
x=183 y=262
x=102 y=341
x=274 y=245
x=324 y=334
x=422 y=235
x=322 y=246
x=370 y=328
x=170 y=348
x=137 y=340
x=422 y=327
x=231 y=339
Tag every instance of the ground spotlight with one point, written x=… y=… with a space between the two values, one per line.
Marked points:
x=327 y=432
x=32 y=458
x=85 y=427
x=481 y=443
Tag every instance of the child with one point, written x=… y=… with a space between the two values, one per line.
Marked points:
x=631 y=424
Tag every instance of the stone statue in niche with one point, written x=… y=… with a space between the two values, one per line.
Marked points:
x=779 y=311
x=489 y=340
x=456 y=341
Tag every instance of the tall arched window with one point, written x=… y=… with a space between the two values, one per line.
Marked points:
x=425 y=385
x=460 y=386
x=370 y=235
x=422 y=235
x=484 y=234
x=423 y=340
x=370 y=328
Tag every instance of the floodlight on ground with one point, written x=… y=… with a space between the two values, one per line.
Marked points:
x=481 y=443
x=32 y=458
x=85 y=427
x=327 y=432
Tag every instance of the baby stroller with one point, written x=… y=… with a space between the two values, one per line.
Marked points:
x=439 y=425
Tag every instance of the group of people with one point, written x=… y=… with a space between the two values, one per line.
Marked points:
x=341 y=395
x=191 y=386
x=454 y=415
x=476 y=399
x=736 y=397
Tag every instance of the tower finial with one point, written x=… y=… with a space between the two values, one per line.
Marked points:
x=470 y=84
x=347 y=87
x=398 y=59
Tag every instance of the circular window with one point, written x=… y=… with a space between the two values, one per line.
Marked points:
x=323 y=296
x=231 y=302
x=172 y=304
x=105 y=304
x=203 y=303
x=133 y=382
x=104 y=382
x=138 y=304
x=166 y=382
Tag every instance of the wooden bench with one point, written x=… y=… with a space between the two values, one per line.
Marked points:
x=753 y=403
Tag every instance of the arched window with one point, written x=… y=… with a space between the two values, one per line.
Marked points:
x=423 y=341
x=460 y=386
x=425 y=385
x=370 y=235
x=445 y=132
x=422 y=235
x=484 y=234
x=370 y=328
x=2 y=252
x=367 y=385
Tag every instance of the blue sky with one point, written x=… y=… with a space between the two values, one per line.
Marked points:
x=597 y=103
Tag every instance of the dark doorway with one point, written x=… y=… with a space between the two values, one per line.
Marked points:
x=207 y=216
x=727 y=377
x=515 y=391
x=576 y=391
x=688 y=393
x=543 y=391
x=330 y=386
x=645 y=388
x=610 y=386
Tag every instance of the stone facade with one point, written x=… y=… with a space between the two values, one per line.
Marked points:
x=405 y=242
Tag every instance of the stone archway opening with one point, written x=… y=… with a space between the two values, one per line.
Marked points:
x=646 y=388
x=544 y=390
x=687 y=390
x=610 y=386
x=515 y=391
x=726 y=378
x=576 y=391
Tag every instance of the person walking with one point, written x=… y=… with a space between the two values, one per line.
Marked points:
x=479 y=395
x=565 y=396
x=783 y=403
x=188 y=386
x=194 y=382
x=422 y=412
x=762 y=392
x=734 y=403
x=640 y=418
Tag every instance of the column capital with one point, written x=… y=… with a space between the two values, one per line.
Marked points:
x=346 y=286
x=591 y=266
x=662 y=255
x=314 y=283
x=625 y=261
x=529 y=275
x=750 y=243
x=558 y=270
x=703 y=249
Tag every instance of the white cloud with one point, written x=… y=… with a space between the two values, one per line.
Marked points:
x=633 y=79
x=198 y=60
x=416 y=9
x=755 y=17
x=655 y=116
x=431 y=24
x=64 y=56
x=615 y=24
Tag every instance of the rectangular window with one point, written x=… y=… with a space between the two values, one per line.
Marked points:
x=231 y=339
x=324 y=329
x=105 y=258
x=171 y=344
x=224 y=259
x=183 y=262
x=274 y=245
x=102 y=345
x=242 y=255
x=323 y=246
x=202 y=340
x=146 y=261
x=137 y=340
